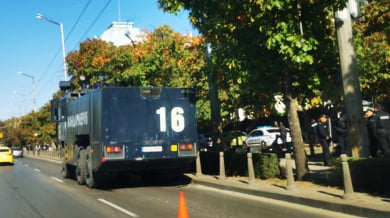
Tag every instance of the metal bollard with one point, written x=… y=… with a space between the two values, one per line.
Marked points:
x=198 y=165
x=222 y=174
x=289 y=173
x=348 y=188
x=251 y=170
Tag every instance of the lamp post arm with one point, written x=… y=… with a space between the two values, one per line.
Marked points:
x=41 y=17
x=52 y=21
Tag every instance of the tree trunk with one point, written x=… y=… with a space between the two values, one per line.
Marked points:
x=350 y=77
x=302 y=170
x=216 y=121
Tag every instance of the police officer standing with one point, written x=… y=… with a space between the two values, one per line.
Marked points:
x=283 y=133
x=371 y=125
x=313 y=138
x=341 y=128
x=382 y=130
x=324 y=138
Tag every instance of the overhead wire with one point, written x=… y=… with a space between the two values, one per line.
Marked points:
x=93 y=23
x=60 y=48
x=66 y=38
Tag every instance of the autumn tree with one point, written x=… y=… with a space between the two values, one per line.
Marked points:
x=270 y=47
x=372 y=32
x=93 y=63
x=165 y=58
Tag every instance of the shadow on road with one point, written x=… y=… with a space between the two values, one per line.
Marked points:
x=133 y=181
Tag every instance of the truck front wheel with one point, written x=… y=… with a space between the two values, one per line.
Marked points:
x=80 y=168
x=65 y=169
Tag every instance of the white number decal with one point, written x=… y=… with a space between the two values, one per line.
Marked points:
x=163 y=120
x=177 y=119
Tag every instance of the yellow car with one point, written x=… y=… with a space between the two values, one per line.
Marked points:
x=6 y=155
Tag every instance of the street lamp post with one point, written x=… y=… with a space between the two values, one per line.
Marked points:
x=24 y=102
x=33 y=88
x=41 y=17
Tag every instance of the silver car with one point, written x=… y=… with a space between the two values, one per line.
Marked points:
x=17 y=151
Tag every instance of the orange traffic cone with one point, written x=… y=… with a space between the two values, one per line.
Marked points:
x=182 y=211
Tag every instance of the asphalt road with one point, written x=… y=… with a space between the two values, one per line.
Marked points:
x=34 y=188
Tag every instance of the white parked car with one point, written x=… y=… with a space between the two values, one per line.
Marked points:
x=263 y=137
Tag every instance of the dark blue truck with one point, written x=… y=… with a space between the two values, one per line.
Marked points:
x=115 y=130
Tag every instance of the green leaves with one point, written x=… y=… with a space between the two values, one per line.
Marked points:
x=173 y=6
x=260 y=42
x=373 y=49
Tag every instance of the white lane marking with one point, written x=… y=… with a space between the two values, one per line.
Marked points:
x=57 y=179
x=26 y=165
x=117 y=207
x=37 y=170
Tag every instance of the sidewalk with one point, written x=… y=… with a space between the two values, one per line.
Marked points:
x=305 y=193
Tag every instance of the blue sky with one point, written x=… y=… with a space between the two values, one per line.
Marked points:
x=33 y=46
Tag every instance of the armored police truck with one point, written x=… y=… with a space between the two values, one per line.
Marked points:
x=114 y=130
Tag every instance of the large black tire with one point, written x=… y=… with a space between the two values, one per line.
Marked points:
x=65 y=169
x=90 y=176
x=80 y=168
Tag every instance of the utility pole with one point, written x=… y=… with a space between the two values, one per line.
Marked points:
x=350 y=77
x=216 y=126
x=33 y=89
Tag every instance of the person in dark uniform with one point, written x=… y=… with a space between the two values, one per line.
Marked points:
x=283 y=133
x=313 y=136
x=341 y=128
x=382 y=130
x=371 y=125
x=324 y=138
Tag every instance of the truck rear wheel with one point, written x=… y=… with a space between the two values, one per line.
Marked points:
x=80 y=168
x=90 y=176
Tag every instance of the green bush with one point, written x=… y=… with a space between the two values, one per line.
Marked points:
x=210 y=162
x=368 y=174
x=266 y=165
x=236 y=164
x=371 y=175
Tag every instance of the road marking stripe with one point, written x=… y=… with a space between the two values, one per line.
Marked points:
x=57 y=179
x=117 y=207
x=37 y=170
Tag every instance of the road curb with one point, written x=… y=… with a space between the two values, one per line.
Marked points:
x=55 y=160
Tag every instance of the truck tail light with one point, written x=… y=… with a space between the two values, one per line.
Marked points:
x=186 y=147
x=113 y=149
